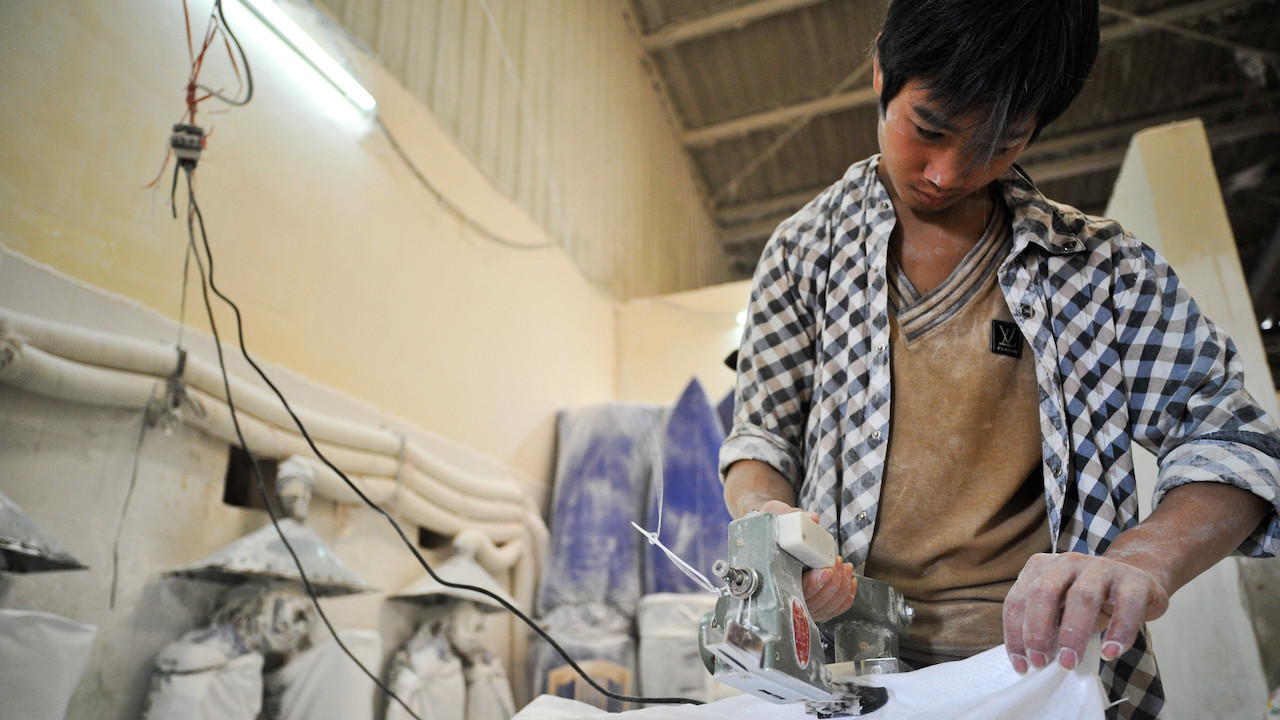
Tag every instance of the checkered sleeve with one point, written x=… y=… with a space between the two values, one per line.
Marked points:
x=1188 y=403
x=775 y=360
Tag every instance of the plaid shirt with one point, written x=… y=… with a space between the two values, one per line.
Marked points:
x=1122 y=353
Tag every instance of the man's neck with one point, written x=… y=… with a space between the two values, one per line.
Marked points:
x=929 y=246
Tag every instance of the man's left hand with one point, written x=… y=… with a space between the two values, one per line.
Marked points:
x=1060 y=600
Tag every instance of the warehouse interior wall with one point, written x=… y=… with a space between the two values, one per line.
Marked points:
x=436 y=303
x=1167 y=195
x=555 y=101
x=442 y=303
x=666 y=341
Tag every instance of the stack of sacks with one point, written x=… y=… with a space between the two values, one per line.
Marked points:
x=687 y=510
x=607 y=457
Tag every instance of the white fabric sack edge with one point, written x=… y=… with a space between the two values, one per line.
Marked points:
x=42 y=657
x=983 y=687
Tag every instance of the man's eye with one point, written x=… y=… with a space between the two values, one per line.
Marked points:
x=928 y=134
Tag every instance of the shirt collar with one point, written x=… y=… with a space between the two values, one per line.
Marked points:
x=1036 y=219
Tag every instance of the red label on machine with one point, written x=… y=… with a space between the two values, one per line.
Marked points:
x=800 y=630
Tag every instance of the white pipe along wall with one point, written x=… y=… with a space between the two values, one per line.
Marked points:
x=472 y=499
x=82 y=365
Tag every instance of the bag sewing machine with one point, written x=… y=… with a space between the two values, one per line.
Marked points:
x=761 y=639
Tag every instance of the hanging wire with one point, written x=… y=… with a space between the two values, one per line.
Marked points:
x=209 y=284
x=192 y=139
x=441 y=198
x=448 y=204
x=124 y=511
x=195 y=217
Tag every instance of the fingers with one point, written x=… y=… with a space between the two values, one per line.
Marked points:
x=1059 y=601
x=1137 y=599
x=1015 y=610
x=777 y=507
x=829 y=591
x=1080 y=614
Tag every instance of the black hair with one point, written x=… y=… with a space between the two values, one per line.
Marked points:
x=1011 y=60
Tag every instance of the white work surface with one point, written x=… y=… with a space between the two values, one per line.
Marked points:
x=984 y=687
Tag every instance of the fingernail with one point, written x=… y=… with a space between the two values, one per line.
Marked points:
x=1037 y=658
x=1068 y=658
x=1019 y=663
x=1111 y=650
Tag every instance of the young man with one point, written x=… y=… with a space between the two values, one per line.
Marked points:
x=949 y=371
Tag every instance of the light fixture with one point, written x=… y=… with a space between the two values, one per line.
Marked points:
x=1267 y=323
x=296 y=38
x=742 y=318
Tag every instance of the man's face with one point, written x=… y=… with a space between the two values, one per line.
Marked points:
x=928 y=164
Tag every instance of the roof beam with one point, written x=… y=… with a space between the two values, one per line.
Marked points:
x=824 y=105
x=712 y=134
x=1167 y=19
x=1265 y=269
x=1120 y=132
x=731 y=19
x=1041 y=152
x=747 y=211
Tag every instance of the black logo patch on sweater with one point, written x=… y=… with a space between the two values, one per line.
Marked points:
x=1006 y=339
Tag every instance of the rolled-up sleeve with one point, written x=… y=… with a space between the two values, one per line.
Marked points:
x=1188 y=403
x=775 y=363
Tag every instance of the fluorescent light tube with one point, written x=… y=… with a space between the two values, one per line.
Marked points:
x=296 y=38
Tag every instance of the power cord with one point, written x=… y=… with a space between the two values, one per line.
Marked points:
x=365 y=499
x=187 y=142
x=206 y=283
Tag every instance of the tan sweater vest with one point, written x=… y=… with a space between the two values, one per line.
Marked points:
x=962 y=503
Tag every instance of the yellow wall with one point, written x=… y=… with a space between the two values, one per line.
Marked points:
x=346 y=268
x=553 y=100
x=664 y=342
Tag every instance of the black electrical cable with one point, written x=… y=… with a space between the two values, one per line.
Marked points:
x=206 y=282
x=193 y=213
x=409 y=544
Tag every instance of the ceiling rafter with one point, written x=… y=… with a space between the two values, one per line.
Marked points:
x=731 y=19
x=866 y=96
x=825 y=105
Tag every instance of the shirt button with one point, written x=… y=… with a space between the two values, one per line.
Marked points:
x=884 y=204
x=875 y=435
x=1027 y=311
x=862 y=517
x=879 y=347
x=1057 y=472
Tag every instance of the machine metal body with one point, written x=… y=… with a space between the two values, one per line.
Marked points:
x=761 y=639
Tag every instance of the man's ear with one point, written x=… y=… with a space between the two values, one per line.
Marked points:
x=877 y=79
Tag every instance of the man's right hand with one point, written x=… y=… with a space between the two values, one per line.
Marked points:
x=828 y=591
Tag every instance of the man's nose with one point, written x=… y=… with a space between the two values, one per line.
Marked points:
x=947 y=169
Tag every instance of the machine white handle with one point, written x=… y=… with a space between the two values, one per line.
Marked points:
x=805 y=540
